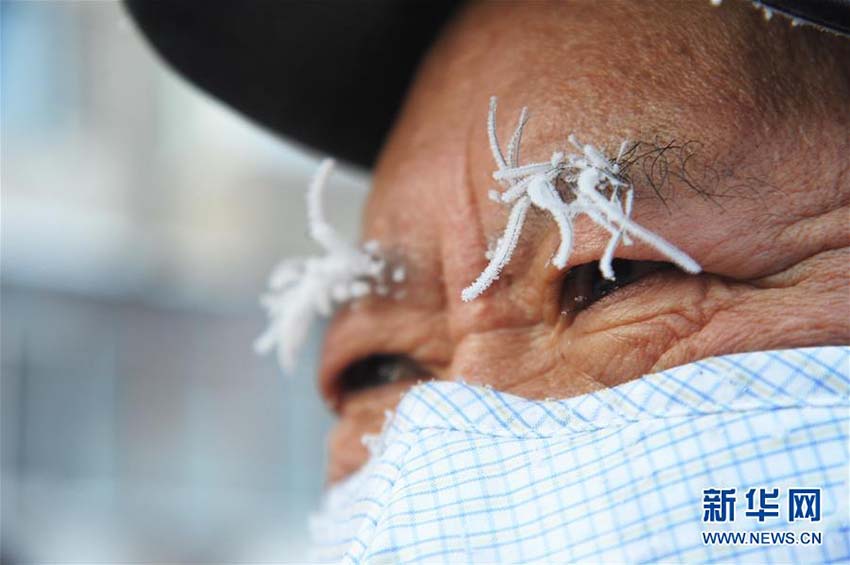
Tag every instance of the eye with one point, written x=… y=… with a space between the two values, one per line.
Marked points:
x=584 y=285
x=380 y=369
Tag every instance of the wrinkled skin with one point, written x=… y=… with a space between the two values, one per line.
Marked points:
x=769 y=106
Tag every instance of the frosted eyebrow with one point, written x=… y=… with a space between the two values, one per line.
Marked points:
x=302 y=289
x=594 y=188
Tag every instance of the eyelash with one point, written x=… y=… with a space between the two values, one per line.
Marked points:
x=378 y=370
x=584 y=285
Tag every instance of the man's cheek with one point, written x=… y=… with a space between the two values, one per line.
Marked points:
x=361 y=415
x=649 y=329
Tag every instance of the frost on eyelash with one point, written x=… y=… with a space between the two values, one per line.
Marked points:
x=595 y=189
x=302 y=289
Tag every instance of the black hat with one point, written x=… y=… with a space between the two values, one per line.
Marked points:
x=329 y=74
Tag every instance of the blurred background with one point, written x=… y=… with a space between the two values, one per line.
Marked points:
x=139 y=221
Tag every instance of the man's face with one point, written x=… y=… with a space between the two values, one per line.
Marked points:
x=739 y=157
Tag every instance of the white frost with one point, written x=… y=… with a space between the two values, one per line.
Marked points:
x=594 y=188
x=304 y=288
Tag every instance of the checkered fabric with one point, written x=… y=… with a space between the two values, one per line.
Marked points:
x=464 y=474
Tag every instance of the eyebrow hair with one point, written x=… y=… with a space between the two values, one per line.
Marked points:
x=669 y=167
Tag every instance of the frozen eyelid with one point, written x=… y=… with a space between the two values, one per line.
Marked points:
x=597 y=192
x=303 y=289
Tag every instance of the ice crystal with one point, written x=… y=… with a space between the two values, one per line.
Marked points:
x=593 y=187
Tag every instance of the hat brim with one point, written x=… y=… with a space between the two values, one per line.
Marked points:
x=329 y=75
